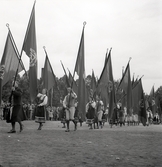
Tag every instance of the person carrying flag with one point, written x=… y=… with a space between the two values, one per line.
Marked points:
x=16 y=109
x=69 y=105
x=42 y=100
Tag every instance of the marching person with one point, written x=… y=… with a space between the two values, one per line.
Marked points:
x=90 y=111
x=17 y=114
x=42 y=100
x=62 y=114
x=99 y=110
x=69 y=105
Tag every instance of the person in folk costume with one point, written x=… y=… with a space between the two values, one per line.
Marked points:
x=121 y=114
x=62 y=114
x=50 y=113
x=16 y=110
x=149 y=116
x=69 y=105
x=99 y=110
x=106 y=113
x=90 y=111
x=156 y=118
x=125 y=115
x=114 y=119
x=42 y=100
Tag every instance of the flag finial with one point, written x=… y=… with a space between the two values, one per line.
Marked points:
x=8 y=26
x=129 y=59
x=84 y=23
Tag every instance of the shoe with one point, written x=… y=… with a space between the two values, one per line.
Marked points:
x=67 y=130
x=21 y=128
x=12 y=131
x=40 y=127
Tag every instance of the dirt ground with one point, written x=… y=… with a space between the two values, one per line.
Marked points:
x=53 y=147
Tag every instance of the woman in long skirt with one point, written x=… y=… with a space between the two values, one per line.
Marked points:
x=16 y=111
x=40 y=109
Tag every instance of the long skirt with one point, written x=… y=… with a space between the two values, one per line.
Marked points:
x=90 y=114
x=16 y=114
x=40 y=114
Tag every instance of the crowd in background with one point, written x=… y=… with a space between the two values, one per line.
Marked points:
x=52 y=113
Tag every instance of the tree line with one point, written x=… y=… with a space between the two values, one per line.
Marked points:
x=59 y=90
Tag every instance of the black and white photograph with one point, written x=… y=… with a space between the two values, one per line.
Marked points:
x=80 y=83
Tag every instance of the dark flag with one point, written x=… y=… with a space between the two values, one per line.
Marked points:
x=30 y=48
x=49 y=79
x=10 y=62
x=133 y=81
x=107 y=89
x=93 y=84
x=152 y=101
x=80 y=70
x=157 y=101
x=136 y=97
x=102 y=85
x=126 y=85
x=111 y=90
x=142 y=112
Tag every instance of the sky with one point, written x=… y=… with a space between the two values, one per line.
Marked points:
x=132 y=28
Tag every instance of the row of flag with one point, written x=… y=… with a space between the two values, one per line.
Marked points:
x=132 y=96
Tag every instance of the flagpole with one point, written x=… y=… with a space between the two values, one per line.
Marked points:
x=104 y=66
x=122 y=70
x=63 y=68
x=28 y=28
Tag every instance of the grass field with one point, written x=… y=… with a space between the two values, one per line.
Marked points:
x=53 y=147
